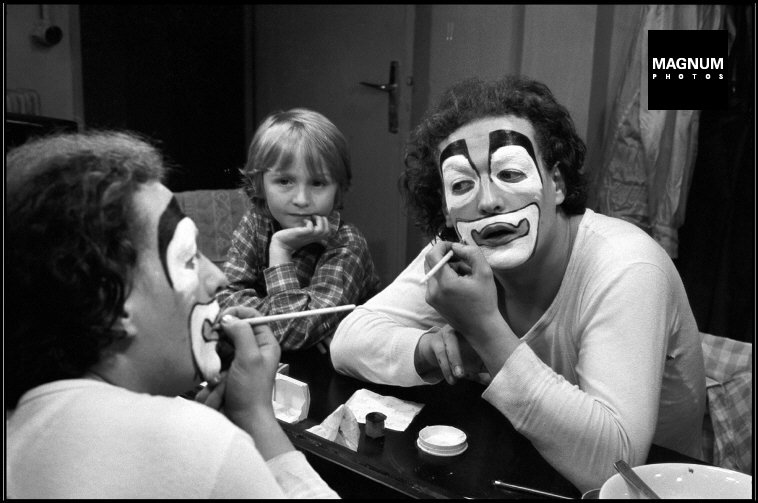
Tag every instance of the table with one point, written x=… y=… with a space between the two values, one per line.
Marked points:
x=496 y=450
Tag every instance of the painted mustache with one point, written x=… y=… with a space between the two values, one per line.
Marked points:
x=500 y=233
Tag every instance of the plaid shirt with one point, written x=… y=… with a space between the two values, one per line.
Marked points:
x=728 y=432
x=342 y=272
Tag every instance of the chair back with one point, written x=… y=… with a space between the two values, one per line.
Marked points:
x=216 y=214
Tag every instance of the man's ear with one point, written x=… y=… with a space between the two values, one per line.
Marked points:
x=125 y=320
x=559 y=183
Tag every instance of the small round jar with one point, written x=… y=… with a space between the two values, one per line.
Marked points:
x=441 y=443
x=375 y=424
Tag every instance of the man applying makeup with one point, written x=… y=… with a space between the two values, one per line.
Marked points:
x=579 y=322
x=109 y=321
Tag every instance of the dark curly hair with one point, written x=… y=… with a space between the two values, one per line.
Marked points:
x=473 y=99
x=71 y=242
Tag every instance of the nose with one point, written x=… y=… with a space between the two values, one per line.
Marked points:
x=213 y=279
x=490 y=201
x=302 y=196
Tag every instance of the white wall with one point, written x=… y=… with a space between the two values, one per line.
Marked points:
x=54 y=72
x=472 y=40
x=552 y=43
x=559 y=43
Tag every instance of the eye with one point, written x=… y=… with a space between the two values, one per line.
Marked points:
x=192 y=262
x=462 y=186
x=510 y=175
x=283 y=181
x=320 y=183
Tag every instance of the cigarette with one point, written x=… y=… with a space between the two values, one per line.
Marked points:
x=438 y=266
x=259 y=320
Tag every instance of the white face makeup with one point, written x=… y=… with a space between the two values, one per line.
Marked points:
x=493 y=194
x=205 y=339
x=177 y=242
x=506 y=240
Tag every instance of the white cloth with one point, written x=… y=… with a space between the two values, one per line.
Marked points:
x=614 y=364
x=82 y=438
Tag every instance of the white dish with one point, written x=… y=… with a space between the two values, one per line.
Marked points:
x=683 y=481
x=444 y=453
x=442 y=438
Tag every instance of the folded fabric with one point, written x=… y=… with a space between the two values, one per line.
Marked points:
x=340 y=427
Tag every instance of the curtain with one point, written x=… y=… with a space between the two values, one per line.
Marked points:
x=649 y=155
x=717 y=240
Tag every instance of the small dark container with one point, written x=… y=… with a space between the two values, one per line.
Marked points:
x=375 y=424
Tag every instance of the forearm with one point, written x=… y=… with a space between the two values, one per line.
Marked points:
x=494 y=342
x=237 y=295
x=373 y=347
x=377 y=342
x=580 y=435
x=278 y=253
x=244 y=281
x=269 y=437
x=338 y=279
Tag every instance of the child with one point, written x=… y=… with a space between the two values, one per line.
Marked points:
x=292 y=251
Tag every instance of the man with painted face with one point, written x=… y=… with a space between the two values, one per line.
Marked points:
x=579 y=321
x=111 y=317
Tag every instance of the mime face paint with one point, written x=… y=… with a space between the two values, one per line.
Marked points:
x=494 y=189
x=177 y=248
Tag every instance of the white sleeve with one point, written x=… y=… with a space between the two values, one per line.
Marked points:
x=297 y=477
x=376 y=342
x=582 y=430
x=244 y=474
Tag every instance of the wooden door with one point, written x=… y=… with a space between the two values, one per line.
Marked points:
x=315 y=56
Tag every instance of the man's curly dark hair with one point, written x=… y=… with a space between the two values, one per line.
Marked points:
x=71 y=243
x=473 y=99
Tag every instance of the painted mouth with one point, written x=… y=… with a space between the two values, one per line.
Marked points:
x=500 y=233
x=224 y=346
x=210 y=331
x=225 y=351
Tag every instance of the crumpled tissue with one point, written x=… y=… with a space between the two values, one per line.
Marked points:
x=340 y=427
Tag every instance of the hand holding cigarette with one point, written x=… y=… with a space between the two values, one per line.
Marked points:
x=444 y=260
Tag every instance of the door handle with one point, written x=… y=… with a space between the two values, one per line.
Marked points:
x=390 y=88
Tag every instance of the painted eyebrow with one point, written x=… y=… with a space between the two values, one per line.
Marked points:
x=458 y=147
x=504 y=137
x=170 y=218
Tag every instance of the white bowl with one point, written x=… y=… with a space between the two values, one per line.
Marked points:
x=683 y=481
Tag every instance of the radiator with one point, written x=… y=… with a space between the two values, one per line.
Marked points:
x=22 y=101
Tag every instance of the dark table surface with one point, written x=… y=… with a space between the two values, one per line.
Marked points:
x=496 y=451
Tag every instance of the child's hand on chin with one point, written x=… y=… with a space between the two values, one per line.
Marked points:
x=315 y=229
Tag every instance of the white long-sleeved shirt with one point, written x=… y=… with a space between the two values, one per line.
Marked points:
x=613 y=365
x=82 y=438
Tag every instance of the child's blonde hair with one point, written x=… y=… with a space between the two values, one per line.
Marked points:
x=297 y=133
